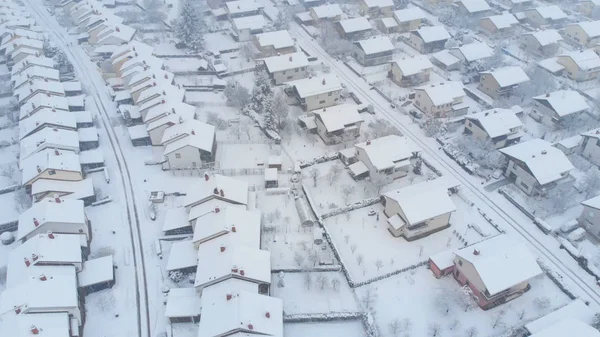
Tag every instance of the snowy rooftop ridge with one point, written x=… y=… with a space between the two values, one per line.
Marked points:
x=508 y=76
x=564 y=102
x=568 y=327
x=502 y=21
x=475 y=6
x=443 y=93
x=353 y=25
x=474 y=51
x=585 y=59
x=422 y=201
x=286 y=62
x=66 y=211
x=337 y=117
x=379 y=3
x=49 y=159
x=307 y=87
x=377 y=44
x=278 y=39
x=409 y=14
x=577 y=309
x=432 y=33
x=219 y=187
x=327 y=11
x=200 y=136
x=52 y=325
x=591 y=28
x=413 y=65
x=546 y=37
x=551 y=12
x=241 y=225
x=497 y=122
x=242 y=6
x=47 y=118
x=384 y=152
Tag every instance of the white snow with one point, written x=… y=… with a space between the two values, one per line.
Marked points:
x=376 y=45
x=409 y=14
x=422 y=201
x=49 y=138
x=327 y=11
x=96 y=271
x=278 y=39
x=574 y=310
x=508 y=76
x=47 y=324
x=497 y=122
x=42 y=100
x=67 y=189
x=241 y=226
x=307 y=87
x=591 y=28
x=568 y=327
x=384 y=152
x=432 y=33
x=242 y=6
x=379 y=3
x=182 y=255
x=183 y=302
x=201 y=136
x=48 y=211
x=443 y=93
x=585 y=59
x=474 y=51
x=235 y=191
x=444 y=57
x=546 y=37
x=355 y=25
x=475 y=6
x=564 y=102
x=255 y=22
x=49 y=159
x=286 y=62
x=414 y=65
x=503 y=21
x=337 y=117
x=47 y=117
x=593 y=202
x=552 y=12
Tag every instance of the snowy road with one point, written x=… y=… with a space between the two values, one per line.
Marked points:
x=91 y=79
x=493 y=204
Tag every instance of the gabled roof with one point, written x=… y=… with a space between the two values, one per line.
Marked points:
x=568 y=327
x=444 y=57
x=121 y=32
x=73 y=189
x=546 y=37
x=52 y=138
x=327 y=11
x=254 y=22
x=48 y=210
x=354 y=25
x=591 y=28
x=182 y=255
x=413 y=65
x=409 y=14
x=384 y=152
x=35 y=72
x=475 y=51
x=585 y=59
x=432 y=33
x=184 y=113
x=286 y=62
x=508 y=76
x=564 y=102
x=551 y=12
x=41 y=61
x=234 y=190
x=278 y=39
x=502 y=21
x=42 y=100
x=593 y=202
x=501 y=262
x=422 y=201
x=545 y=162
x=52 y=324
x=243 y=226
x=443 y=93
x=39 y=85
x=201 y=136
x=49 y=159
x=497 y=122
x=337 y=117
x=577 y=309
x=186 y=128
x=379 y=3
x=242 y=6
x=475 y=6
x=183 y=302
x=307 y=87
x=47 y=117
x=377 y=44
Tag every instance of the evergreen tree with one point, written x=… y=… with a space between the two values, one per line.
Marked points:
x=189 y=27
x=154 y=11
x=262 y=89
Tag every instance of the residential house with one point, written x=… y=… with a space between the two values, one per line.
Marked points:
x=274 y=43
x=387 y=158
x=330 y=13
x=580 y=65
x=545 y=15
x=408 y=19
x=501 y=81
x=318 y=92
x=241 y=8
x=338 y=123
x=541 y=42
x=34 y=73
x=499 y=25
x=501 y=126
x=51 y=164
x=555 y=107
x=32 y=61
x=418 y=210
x=429 y=39
x=147 y=79
x=54 y=139
x=217 y=187
x=387 y=25
x=472 y=52
x=473 y=8
x=53 y=324
x=242 y=225
x=497 y=270
x=35 y=87
x=353 y=29
x=47 y=118
x=517 y=4
x=376 y=8
x=536 y=166
x=22 y=47
x=77 y=190
x=193 y=145
x=445 y=60
x=590 y=216
x=59 y=216
x=374 y=51
x=41 y=101
x=244 y=27
x=589 y=8
x=287 y=67
x=575 y=310
x=97 y=274
x=183 y=306
x=156 y=125
x=565 y=327
x=113 y=34
x=441 y=100
x=591 y=146
x=271 y=178
x=585 y=33
x=411 y=71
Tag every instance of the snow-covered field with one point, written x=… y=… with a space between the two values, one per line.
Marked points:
x=346 y=329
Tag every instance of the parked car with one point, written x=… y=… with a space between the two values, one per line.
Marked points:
x=416 y=114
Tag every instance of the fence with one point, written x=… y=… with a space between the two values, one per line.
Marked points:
x=516 y=204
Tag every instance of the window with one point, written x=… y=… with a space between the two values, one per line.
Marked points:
x=321 y=102
x=460 y=262
x=178 y=155
x=297 y=70
x=524 y=185
x=330 y=94
x=51 y=172
x=194 y=164
x=284 y=72
x=290 y=77
x=303 y=68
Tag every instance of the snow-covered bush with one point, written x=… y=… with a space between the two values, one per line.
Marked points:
x=176 y=276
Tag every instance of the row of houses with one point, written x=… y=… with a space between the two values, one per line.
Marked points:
x=233 y=274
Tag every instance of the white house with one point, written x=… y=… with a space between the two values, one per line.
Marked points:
x=53 y=324
x=49 y=139
x=472 y=52
x=429 y=39
x=190 y=145
x=376 y=8
x=474 y=8
x=77 y=190
x=498 y=25
x=501 y=126
x=331 y=12
x=408 y=19
x=541 y=42
x=242 y=224
x=576 y=309
x=51 y=164
x=581 y=65
x=34 y=73
x=240 y=8
x=441 y=100
x=56 y=215
x=590 y=216
x=32 y=61
x=317 y=92
x=585 y=34
x=157 y=121
x=591 y=146
x=113 y=34
x=411 y=71
x=183 y=305
x=354 y=27
x=287 y=67
x=557 y=106
x=387 y=158
x=32 y=88
x=418 y=210
x=244 y=27
x=216 y=187
x=338 y=123
x=41 y=101
x=566 y=327
x=47 y=118
x=374 y=51
x=536 y=166
x=274 y=43
x=545 y=15
x=501 y=81
x=445 y=60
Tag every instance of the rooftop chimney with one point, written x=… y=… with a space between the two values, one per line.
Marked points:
x=222 y=248
x=221 y=192
x=250 y=326
x=242 y=272
x=43 y=277
x=475 y=252
x=193 y=132
x=216 y=191
x=217 y=209
x=117 y=29
x=291 y=59
x=323 y=82
x=27 y=262
x=234 y=269
x=233 y=229
x=57 y=200
x=548 y=95
x=56 y=152
x=206 y=177
x=17 y=310
x=50 y=235
x=228 y=297
x=35 y=330
x=368 y=142
x=36 y=222
x=34 y=257
x=544 y=152
x=267 y=314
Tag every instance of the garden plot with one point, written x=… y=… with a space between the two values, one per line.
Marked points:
x=369 y=250
x=235 y=61
x=332 y=329
x=182 y=64
x=220 y=42
x=440 y=310
x=557 y=201
x=243 y=156
x=312 y=293
x=13 y=204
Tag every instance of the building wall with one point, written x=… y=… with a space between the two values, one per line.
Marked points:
x=578 y=35
x=433 y=225
x=93 y=39
x=487 y=26
x=591 y=149
x=573 y=71
x=188 y=157
x=59 y=175
x=475 y=130
x=542 y=113
x=404 y=27
x=344 y=135
x=424 y=103
x=322 y=100
x=369 y=60
x=60 y=228
x=489 y=86
x=289 y=75
x=416 y=42
x=398 y=77
x=157 y=134
x=74 y=311
x=590 y=220
x=522 y=179
x=534 y=18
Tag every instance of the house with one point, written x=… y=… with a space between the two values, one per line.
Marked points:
x=271 y=179
x=32 y=88
x=112 y=34
x=586 y=34
x=76 y=190
x=72 y=88
x=545 y=15
x=557 y=106
x=387 y=25
x=517 y=4
x=590 y=216
x=497 y=270
x=244 y=27
x=387 y=158
x=97 y=274
x=47 y=118
x=374 y=51
x=274 y=43
x=48 y=138
x=589 y=8
x=147 y=79
x=338 y=123
x=565 y=327
x=441 y=100
x=376 y=8
x=183 y=257
x=216 y=187
x=236 y=309
x=191 y=145
x=445 y=60
x=499 y=25
x=32 y=61
x=183 y=306
x=575 y=310
x=354 y=28
x=41 y=101
x=536 y=166
x=156 y=125
x=473 y=8
x=472 y=52
x=51 y=164
x=176 y=222
x=242 y=225
x=55 y=215
x=429 y=39
x=34 y=73
x=541 y=42
x=411 y=71
x=22 y=47
x=591 y=146
x=241 y=8
x=329 y=13
x=287 y=67
x=88 y=138
x=501 y=81
x=580 y=65
x=318 y=92
x=501 y=126
x=53 y=324
x=408 y=19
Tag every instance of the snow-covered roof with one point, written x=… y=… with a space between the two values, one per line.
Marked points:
x=137 y=132
x=354 y=25
x=135 y=46
x=422 y=201
x=386 y=151
x=22 y=42
x=474 y=51
x=199 y=135
x=551 y=12
x=443 y=93
x=563 y=102
x=568 y=327
x=72 y=86
x=96 y=271
x=475 y=6
x=545 y=162
x=503 y=21
x=42 y=100
x=242 y=6
x=497 y=122
x=241 y=225
x=105 y=49
x=67 y=211
x=546 y=37
x=49 y=160
x=577 y=309
x=87 y=134
x=389 y=22
x=29 y=61
x=278 y=39
x=327 y=11
x=254 y=22
x=156 y=108
x=68 y=189
x=271 y=174
x=226 y=310
x=508 y=76
x=175 y=218
x=35 y=72
x=182 y=302
x=84 y=117
x=182 y=255
x=501 y=262
x=234 y=190
x=48 y=324
x=379 y=3
x=444 y=259
x=551 y=65
x=432 y=33
x=337 y=117
x=286 y=62
x=591 y=28
x=94 y=156
x=122 y=33
x=585 y=59
x=409 y=14
x=444 y=57
x=52 y=138
x=76 y=101
x=307 y=87
x=209 y=207
x=184 y=112
x=39 y=85
x=223 y=257
x=376 y=44
x=593 y=202
x=47 y=117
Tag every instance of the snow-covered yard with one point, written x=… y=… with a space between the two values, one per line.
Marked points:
x=345 y=329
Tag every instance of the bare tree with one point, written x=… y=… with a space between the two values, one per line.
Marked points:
x=334 y=174
x=378 y=264
x=314 y=174
x=395 y=327
x=498 y=320
x=453 y=324
x=360 y=259
x=307 y=280
x=368 y=299
x=247 y=51
x=353 y=247
x=331 y=41
x=472 y=332
x=434 y=329
x=433 y=127
x=347 y=190
x=335 y=283
x=482 y=151
x=591 y=182
x=322 y=281
x=347 y=238
x=381 y=128
x=299 y=259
